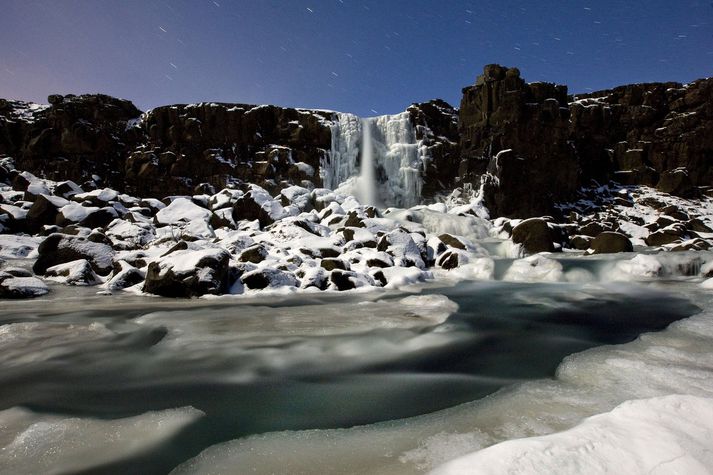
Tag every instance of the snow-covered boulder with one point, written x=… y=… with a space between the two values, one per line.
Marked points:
x=124 y=275
x=257 y=204
x=12 y=287
x=264 y=278
x=67 y=189
x=182 y=210
x=401 y=245
x=99 y=198
x=316 y=277
x=62 y=248
x=189 y=273
x=298 y=196
x=44 y=211
x=348 y=280
x=129 y=235
x=77 y=272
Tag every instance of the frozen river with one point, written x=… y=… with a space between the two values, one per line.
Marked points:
x=133 y=384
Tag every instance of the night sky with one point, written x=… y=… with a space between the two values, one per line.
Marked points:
x=362 y=56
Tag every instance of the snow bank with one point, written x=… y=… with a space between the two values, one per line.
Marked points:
x=672 y=434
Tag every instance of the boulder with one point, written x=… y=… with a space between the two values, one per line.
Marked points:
x=676 y=182
x=268 y=278
x=330 y=264
x=77 y=272
x=581 y=243
x=535 y=235
x=189 y=273
x=452 y=241
x=343 y=280
x=62 y=248
x=44 y=211
x=665 y=236
x=250 y=207
x=12 y=287
x=125 y=275
x=254 y=254
x=315 y=277
x=449 y=260
x=611 y=242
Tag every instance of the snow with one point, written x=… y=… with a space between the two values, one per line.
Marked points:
x=77 y=272
x=15 y=211
x=14 y=246
x=27 y=286
x=305 y=168
x=182 y=262
x=182 y=210
x=106 y=195
x=76 y=213
x=672 y=434
x=56 y=201
x=397 y=277
x=125 y=234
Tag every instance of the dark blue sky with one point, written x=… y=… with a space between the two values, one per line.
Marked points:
x=362 y=56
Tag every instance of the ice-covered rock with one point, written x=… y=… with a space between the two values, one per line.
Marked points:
x=267 y=278
x=62 y=248
x=189 y=273
x=124 y=275
x=77 y=272
x=182 y=210
x=12 y=287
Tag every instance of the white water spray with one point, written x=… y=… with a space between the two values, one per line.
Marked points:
x=367 y=176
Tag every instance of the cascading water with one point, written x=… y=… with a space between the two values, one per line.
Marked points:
x=396 y=156
x=367 y=177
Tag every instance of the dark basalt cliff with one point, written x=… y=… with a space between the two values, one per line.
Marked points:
x=528 y=145
x=538 y=145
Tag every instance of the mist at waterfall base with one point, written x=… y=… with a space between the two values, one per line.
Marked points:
x=83 y=374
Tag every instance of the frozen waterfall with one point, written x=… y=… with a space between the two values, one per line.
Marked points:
x=367 y=178
x=396 y=156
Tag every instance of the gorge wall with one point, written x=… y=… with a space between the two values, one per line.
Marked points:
x=527 y=145
x=531 y=145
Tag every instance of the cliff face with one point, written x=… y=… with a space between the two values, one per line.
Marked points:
x=168 y=150
x=531 y=145
x=528 y=145
x=218 y=143
x=518 y=133
x=74 y=137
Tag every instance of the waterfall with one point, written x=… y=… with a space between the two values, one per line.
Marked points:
x=392 y=159
x=367 y=177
